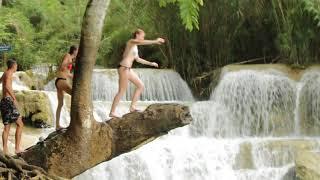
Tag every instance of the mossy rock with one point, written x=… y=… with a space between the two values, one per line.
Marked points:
x=34 y=107
x=307 y=165
x=25 y=78
x=33 y=81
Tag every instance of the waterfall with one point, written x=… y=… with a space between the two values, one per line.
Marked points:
x=160 y=85
x=249 y=129
x=309 y=103
x=43 y=69
x=17 y=84
x=65 y=111
x=187 y=158
x=101 y=108
x=297 y=109
x=249 y=103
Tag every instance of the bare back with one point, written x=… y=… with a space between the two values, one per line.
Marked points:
x=7 y=84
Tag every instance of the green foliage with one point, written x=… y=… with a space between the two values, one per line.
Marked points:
x=51 y=26
x=313 y=7
x=227 y=31
x=235 y=31
x=189 y=11
x=16 y=31
x=40 y=31
x=296 y=31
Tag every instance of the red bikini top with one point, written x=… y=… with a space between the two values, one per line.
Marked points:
x=70 y=67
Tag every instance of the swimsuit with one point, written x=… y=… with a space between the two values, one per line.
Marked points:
x=9 y=112
x=119 y=66
x=70 y=67
x=58 y=79
x=135 y=53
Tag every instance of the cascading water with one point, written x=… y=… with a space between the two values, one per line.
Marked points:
x=249 y=103
x=248 y=130
x=160 y=85
x=309 y=103
x=42 y=69
x=100 y=108
x=17 y=84
x=65 y=115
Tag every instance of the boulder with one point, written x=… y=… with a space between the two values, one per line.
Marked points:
x=307 y=165
x=34 y=107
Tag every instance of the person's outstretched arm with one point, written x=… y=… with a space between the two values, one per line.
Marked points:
x=147 y=42
x=143 y=61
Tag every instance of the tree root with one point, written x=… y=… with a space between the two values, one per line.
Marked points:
x=14 y=168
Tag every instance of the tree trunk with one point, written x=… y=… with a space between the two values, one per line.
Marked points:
x=63 y=155
x=81 y=103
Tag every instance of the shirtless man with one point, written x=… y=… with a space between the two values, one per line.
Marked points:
x=9 y=110
x=61 y=82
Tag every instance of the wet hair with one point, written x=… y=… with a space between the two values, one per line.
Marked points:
x=72 y=49
x=135 y=33
x=11 y=62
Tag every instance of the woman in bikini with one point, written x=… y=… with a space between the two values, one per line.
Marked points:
x=63 y=73
x=125 y=72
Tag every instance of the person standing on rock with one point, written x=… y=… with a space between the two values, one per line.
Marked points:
x=125 y=72
x=9 y=108
x=63 y=73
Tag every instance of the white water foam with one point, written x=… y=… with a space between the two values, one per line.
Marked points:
x=251 y=116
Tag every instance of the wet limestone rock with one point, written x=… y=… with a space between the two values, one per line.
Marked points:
x=307 y=165
x=244 y=157
x=32 y=80
x=279 y=152
x=34 y=106
x=282 y=152
x=25 y=78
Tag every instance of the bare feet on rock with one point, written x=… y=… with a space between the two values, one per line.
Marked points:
x=5 y=151
x=18 y=151
x=113 y=115
x=134 y=110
